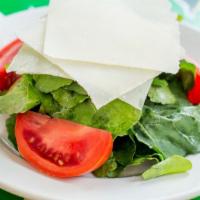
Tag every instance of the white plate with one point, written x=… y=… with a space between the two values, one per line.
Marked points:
x=18 y=177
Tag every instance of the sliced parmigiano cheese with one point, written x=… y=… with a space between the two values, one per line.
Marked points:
x=103 y=83
x=30 y=61
x=126 y=33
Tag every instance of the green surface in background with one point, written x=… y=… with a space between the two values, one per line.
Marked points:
x=7 y=196
x=11 y=6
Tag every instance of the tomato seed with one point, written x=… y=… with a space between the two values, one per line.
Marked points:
x=31 y=140
x=56 y=157
x=66 y=159
x=60 y=162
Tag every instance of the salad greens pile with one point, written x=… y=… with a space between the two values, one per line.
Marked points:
x=155 y=139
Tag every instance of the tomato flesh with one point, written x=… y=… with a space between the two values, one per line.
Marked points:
x=194 y=94
x=9 y=51
x=7 y=80
x=61 y=148
x=6 y=56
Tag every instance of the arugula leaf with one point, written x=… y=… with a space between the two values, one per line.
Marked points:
x=21 y=97
x=48 y=83
x=172 y=165
x=68 y=99
x=187 y=74
x=161 y=93
x=10 y=125
x=117 y=117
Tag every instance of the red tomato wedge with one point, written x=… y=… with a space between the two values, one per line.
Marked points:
x=6 y=56
x=61 y=148
x=9 y=51
x=194 y=93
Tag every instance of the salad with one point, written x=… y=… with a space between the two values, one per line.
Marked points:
x=58 y=130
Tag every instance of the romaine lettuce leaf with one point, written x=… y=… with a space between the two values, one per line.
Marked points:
x=170 y=129
x=117 y=117
x=48 y=83
x=173 y=165
x=48 y=104
x=110 y=169
x=187 y=74
x=161 y=93
x=83 y=113
x=63 y=113
x=124 y=150
x=178 y=133
x=21 y=97
x=139 y=165
x=169 y=124
x=142 y=159
x=129 y=158
x=68 y=99
x=75 y=87
x=10 y=126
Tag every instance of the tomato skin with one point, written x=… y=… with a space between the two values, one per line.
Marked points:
x=9 y=51
x=6 y=56
x=194 y=94
x=92 y=146
x=3 y=75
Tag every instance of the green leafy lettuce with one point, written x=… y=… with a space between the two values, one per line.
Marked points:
x=187 y=74
x=10 y=125
x=177 y=133
x=168 y=125
x=161 y=93
x=68 y=99
x=21 y=97
x=117 y=117
x=75 y=87
x=172 y=165
x=64 y=98
x=48 y=83
x=129 y=158
x=110 y=169
x=48 y=104
x=170 y=129
x=83 y=113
